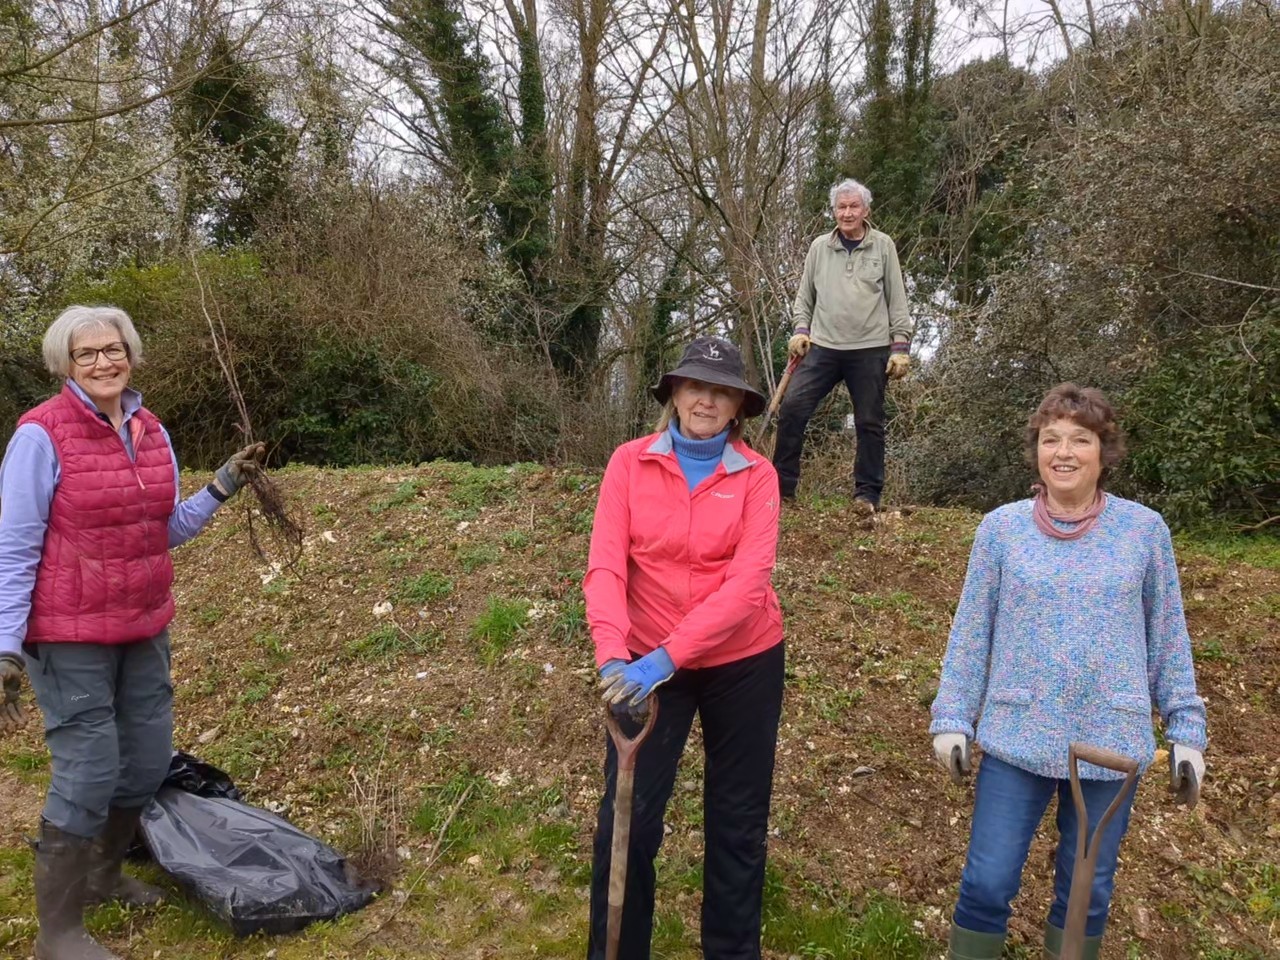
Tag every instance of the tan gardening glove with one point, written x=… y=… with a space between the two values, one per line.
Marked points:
x=898 y=366
x=240 y=469
x=799 y=345
x=11 y=671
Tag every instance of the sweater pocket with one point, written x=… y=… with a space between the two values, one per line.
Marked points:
x=1012 y=696
x=1131 y=703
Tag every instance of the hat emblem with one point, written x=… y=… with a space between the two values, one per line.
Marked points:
x=712 y=352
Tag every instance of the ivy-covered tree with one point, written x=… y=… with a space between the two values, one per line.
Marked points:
x=892 y=145
x=239 y=164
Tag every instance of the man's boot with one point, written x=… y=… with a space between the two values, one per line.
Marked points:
x=62 y=873
x=1053 y=944
x=971 y=945
x=107 y=882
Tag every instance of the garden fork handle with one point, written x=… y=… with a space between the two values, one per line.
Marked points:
x=1087 y=856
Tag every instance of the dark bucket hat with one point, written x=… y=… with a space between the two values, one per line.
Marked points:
x=712 y=360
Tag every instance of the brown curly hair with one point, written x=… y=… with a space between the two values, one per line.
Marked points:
x=1088 y=407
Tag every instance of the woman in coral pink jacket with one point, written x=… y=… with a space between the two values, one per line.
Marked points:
x=678 y=597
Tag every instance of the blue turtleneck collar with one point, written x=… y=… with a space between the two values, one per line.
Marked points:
x=697 y=458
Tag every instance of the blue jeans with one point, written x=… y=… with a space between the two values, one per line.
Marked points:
x=1009 y=805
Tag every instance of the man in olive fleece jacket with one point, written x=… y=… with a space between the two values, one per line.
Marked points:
x=851 y=323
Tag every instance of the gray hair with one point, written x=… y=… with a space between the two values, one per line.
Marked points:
x=74 y=321
x=849 y=185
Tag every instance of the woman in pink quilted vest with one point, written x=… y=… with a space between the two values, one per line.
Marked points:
x=89 y=511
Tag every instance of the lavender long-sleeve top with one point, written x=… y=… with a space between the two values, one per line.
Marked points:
x=1062 y=640
x=29 y=476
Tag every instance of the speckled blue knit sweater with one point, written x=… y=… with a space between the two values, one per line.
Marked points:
x=1061 y=640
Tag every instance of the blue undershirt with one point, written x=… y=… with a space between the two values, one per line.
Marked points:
x=698 y=458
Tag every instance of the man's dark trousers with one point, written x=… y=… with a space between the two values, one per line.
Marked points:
x=739 y=705
x=863 y=373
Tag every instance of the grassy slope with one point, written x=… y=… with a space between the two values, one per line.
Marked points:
x=369 y=729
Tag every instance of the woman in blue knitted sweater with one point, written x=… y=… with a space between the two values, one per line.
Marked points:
x=1070 y=628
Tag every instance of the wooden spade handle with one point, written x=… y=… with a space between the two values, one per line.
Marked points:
x=622 y=796
x=627 y=746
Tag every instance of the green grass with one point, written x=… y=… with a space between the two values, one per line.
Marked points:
x=834 y=704
x=498 y=626
x=276 y=588
x=1257 y=550
x=25 y=762
x=405 y=493
x=570 y=624
x=1211 y=651
x=208 y=616
x=273 y=645
x=515 y=539
x=389 y=641
x=477 y=555
x=243 y=754
x=424 y=588
x=808 y=921
x=256 y=683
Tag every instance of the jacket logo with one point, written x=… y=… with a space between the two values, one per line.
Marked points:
x=722 y=496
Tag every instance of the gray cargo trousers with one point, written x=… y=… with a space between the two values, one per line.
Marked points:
x=108 y=722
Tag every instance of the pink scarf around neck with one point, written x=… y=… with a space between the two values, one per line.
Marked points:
x=1083 y=521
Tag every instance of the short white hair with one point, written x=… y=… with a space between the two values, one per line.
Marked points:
x=76 y=320
x=849 y=185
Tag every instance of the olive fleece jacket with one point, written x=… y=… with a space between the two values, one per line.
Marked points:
x=852 y=300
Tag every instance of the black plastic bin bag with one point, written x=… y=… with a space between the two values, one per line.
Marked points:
x=254 y=870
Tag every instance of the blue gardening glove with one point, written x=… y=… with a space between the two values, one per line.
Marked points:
x=619 y=710
x=635 y=681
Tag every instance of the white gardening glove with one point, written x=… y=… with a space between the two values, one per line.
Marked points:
x=798 y=345
x=952 y=751
x=1186 y=773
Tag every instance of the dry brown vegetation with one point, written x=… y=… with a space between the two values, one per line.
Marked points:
x=480 y=680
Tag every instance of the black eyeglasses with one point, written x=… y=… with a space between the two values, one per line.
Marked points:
x=88 y=356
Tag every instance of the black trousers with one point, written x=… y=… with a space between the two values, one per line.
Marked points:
x=863 y=373
x=739 y=705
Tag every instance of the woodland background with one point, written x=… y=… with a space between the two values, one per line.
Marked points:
x=434 y=229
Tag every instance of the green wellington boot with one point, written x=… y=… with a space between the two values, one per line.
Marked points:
x=1053 y=944
x=971 y=945
x=62 y=869
x=107 y=881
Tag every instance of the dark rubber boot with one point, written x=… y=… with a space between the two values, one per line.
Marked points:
x=1053 y=944
x=107 y=881
x=971 y=945
x=62 y=873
